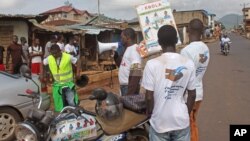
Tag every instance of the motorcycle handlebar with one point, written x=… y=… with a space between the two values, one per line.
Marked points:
x=70 y=109
x=26 y=95
x=76 y=110
x=33 y=96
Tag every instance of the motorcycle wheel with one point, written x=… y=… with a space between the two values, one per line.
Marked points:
x=226 y=50
x=138 y=135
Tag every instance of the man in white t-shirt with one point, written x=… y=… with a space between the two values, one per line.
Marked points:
x=70 y=48
x=198 y=52
x=225 y=39
x=60 y=42
x=130 y=67
x=52 y=41
x=165 y=79
x=35 y=53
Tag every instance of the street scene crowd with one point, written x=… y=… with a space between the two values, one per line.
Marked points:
x=169 y=85
x=159 y=77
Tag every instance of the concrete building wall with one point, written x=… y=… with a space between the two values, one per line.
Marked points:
x=69 y=16
x=247 y=14
x=20 y=28
x=187 y=16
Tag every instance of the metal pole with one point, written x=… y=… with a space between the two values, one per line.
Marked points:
x=98 y=11
x=237 y=21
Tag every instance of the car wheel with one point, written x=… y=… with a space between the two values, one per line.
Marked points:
x=8 y=119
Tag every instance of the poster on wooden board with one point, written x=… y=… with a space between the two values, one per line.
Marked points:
x=152 y=16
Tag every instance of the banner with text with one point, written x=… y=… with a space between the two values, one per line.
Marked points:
x=151 y=17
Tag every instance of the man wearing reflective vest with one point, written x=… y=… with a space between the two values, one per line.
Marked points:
x=60 y=65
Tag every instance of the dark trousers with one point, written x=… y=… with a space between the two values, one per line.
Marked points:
x=16 y=68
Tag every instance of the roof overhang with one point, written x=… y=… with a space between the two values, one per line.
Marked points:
x=58 y=29
x=92 y=30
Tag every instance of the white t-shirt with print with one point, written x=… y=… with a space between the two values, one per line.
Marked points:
x=168 y=76
x=199 y=53
x=131 y=56
x=36 y=50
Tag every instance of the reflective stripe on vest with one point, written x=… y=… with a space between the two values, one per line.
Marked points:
x=63 y=73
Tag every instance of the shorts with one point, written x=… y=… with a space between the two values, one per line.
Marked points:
x=35 y=68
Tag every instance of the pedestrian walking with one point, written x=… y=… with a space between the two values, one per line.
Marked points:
x=165 y=79
x=198 y=52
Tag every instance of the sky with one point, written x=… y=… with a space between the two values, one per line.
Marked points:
x=121 y=9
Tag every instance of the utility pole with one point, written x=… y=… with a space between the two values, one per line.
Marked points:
x=237 y=21
x=98 y=11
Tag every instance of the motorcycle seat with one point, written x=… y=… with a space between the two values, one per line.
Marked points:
x=130 y=120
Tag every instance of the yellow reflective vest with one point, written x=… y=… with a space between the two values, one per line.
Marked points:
x=62 y=73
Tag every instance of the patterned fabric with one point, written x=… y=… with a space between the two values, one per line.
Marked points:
x=135 y=70
x=134 y=103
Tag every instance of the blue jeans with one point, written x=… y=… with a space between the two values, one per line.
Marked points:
x=177 y=135
x=124 y=89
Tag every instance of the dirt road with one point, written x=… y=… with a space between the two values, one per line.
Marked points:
x=226 y=91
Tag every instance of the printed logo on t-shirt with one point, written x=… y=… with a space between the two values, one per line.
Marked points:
x=203 y=57
x=175 y=74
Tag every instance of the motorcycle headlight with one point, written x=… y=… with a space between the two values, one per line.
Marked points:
x=25 y=132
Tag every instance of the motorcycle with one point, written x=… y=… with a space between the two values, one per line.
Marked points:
x=225 y=50
x=74 y=123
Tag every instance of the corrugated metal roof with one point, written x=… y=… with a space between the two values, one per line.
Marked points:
x=102 y=19
x=93 y=30
x=39 y=18
x=60 y=29
x=135 y=27
x=61 y=22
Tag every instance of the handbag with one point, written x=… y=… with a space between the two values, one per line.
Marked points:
x=135 y=103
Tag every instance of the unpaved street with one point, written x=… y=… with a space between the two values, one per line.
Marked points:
x=227 y=91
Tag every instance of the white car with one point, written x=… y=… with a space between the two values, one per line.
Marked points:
x=13 y=108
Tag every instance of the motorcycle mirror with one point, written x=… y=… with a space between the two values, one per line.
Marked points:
x=98 y=94
x=25 y=71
